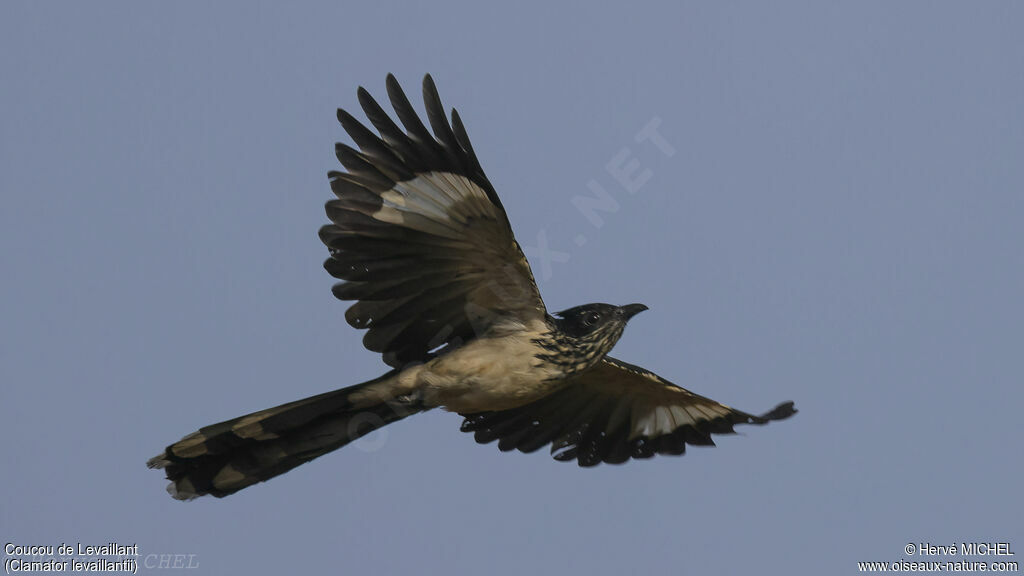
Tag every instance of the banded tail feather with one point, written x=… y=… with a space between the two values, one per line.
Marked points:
x=223 y=458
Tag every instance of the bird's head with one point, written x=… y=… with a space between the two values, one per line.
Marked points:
x=592 y=330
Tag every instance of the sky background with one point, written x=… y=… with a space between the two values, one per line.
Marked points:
x=840 y=223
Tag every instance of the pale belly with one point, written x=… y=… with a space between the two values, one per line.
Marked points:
x=486 y=374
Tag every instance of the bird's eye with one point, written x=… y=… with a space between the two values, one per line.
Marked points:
x=591 y=319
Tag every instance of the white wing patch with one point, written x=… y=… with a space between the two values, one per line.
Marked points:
x=682 y=415
x=652 y=421
x=438 y=203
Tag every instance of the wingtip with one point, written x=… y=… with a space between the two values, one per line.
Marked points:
x=391 y=83
x=365 y=98
x=780 y=412
x=431 y=95
x=430 y=89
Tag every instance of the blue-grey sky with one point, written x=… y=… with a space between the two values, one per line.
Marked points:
x=837 y=219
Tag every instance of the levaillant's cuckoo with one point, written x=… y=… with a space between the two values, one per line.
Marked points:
x=422 y=245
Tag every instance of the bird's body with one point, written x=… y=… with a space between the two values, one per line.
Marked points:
x=420 y=240
x=490 y=373
x=493 y=372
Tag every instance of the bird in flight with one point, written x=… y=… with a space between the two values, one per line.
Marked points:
x=422 y=245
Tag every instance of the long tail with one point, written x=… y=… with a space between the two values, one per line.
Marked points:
x=223 y=458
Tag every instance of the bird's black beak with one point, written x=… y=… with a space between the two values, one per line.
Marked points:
x=630 y=310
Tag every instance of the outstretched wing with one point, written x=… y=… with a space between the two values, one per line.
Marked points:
x=611 y=413
x=418 y=235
